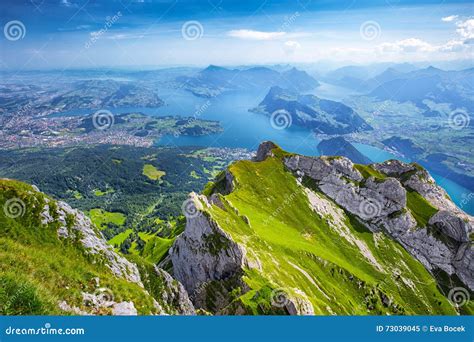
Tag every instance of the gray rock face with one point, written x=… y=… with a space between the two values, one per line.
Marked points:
x=100 y=302
x=204 y=252
x=338 y=179
x=394 y=168
x=94 y=242
x=381 y=206
x=175 y=294
x=323 y=167
x=264 y=150
x=420 y=180
x=451 y=225
x=463 y=262
x=124 y=309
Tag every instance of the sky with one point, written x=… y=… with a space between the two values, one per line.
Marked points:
x=51 y=34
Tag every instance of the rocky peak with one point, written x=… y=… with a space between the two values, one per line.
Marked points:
x=265 y=150
x=394 y=167
x=214 y=262
x=381 y=204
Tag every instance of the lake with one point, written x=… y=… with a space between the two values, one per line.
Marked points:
x=242 y=128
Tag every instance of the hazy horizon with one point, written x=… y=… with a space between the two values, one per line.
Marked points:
x=70 y=34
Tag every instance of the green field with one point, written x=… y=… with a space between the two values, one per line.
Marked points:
x=100 y=193
x=118 y=239
x=152 y=172
x=101 y=218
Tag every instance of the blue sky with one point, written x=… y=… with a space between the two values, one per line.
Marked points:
x=87 y=33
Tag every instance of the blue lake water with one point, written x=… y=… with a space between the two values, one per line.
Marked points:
x=245 y=129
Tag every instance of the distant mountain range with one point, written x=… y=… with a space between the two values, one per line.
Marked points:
x=359 y=77
x=215 y=80
x=454 y=87
x=320 y=115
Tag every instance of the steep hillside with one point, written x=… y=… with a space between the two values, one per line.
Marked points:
x=282 y=234
x=287 y=234
x=53 y=260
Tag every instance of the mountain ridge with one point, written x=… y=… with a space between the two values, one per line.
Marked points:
x=279 y=234
x=310 y=111
x=224 y=231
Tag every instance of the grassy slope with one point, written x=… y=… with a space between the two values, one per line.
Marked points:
x=37 y=269
x=421 y=209
x=118 y=239
x=156 y=248
x=339 y=278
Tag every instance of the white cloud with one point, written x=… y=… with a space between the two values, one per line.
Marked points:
x=410 y=45
x=466 y=28
x=291 y=46
x=255 y=35
x=449 y=18
x=454 y=45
